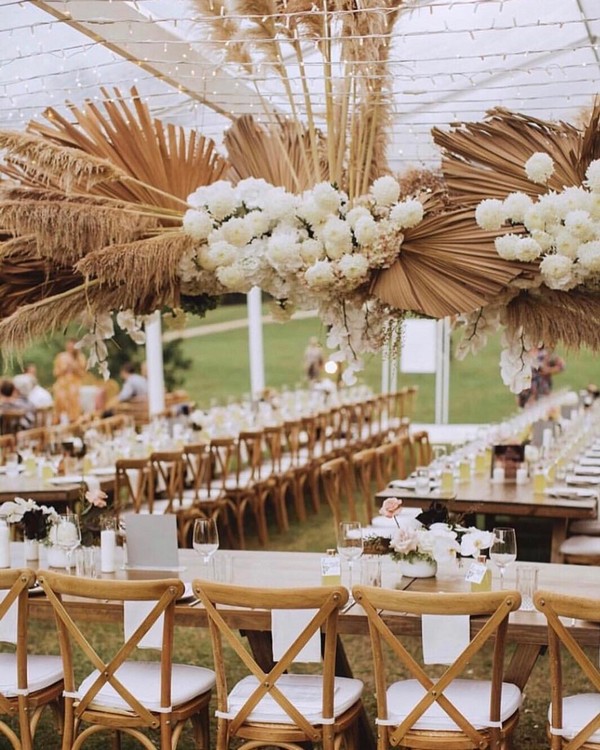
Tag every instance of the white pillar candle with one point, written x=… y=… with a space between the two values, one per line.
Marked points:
x=4 y=546
x=498 y=475
x=521 y=476
x=108 y=545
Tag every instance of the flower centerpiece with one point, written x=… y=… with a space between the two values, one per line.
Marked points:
x=35 y=521
x=419 y=544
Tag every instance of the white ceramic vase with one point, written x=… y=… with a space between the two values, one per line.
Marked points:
x=32 y=549
x=418 y=568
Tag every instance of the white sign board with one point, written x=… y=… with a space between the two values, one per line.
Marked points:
x=419 y=345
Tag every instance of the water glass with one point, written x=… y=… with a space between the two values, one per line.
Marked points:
x=527 y=582
x=85 y=562
x=350 y=544
x=503 y=550
x=205 y=538
x=371 y=570
x=422 y=480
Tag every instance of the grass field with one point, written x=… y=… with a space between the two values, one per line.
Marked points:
x=220 y=371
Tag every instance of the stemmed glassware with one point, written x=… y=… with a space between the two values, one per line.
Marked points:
x=350 y=545
x=503 y=550
x=68 y=535
x=205 y=538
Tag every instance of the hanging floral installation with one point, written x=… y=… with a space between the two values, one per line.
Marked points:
x=108 y=212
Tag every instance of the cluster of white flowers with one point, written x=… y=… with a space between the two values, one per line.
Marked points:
x=562 y=230
x=313 y=250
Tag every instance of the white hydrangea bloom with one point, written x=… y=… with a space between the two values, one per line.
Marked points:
x=365 y=230
x=258 y=223
x=574 y=199
x=336 y=236
x=580 y=224
x=535 y=218
x=253 y=192
x=407 y=214
x=216 y=255
x=385 y=191
x=283 y=252
x=312 y=213
x=588 y=256
x=281 y=205
x=356 y=213
x=557 y=271
x=311 y=250
x=566 y=243
x=221 y=199
x=198 y=224
x=326 y=197
x=490 y=214
x=543 y=239
x=592 y=174
x=354 y=266
x=516 y=206
x=528 y=249
x=539 y=167
x=507 y=245
x=237 y=231
x=320 y=275
x=234 y=277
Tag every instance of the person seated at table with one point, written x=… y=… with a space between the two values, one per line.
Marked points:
x=133 y=390
x=12 y=401
x=28 y=386
x=547 y=365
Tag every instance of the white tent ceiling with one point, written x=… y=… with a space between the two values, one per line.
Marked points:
x=451 y=60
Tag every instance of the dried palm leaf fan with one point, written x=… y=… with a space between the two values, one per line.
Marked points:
x=486 y=159
x=446 y=266
x=112 y=185
x=276 y=153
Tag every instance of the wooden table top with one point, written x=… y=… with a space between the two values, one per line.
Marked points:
x=294 y=569
x=44 y=491
x=480 y=495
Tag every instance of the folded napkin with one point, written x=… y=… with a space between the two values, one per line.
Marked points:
x=569 y=492
x=444 y=637
x=286 y=626
x=133 y=615
x=590 y=470
x=589 y=461
x=409 y=484
x=582 y=479
x=8 y=624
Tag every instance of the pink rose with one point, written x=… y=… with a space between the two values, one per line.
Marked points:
x=405 y=540
x=97 y=498
x=391 y=507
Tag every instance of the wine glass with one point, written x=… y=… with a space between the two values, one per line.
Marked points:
x=68 y=535
x=503 y=551
x=350 y=544
x=205 y=538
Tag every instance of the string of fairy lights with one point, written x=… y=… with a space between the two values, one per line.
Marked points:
x=448 y=60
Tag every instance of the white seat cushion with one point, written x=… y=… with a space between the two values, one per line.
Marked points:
x=304 y=691
x=142 y=679
x=577 y=711
x=471 y=698
x=581 y=545
x=42 y=671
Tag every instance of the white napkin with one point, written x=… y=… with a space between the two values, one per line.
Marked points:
x=582 y=479
x=591 y=470
x=589 y=461
x=444 y=637
x=286 y=626
x=133 y=615
x=8 y=624
x=570 y=492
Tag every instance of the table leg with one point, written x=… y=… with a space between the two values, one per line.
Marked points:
x=559 y=534
x=522 y=664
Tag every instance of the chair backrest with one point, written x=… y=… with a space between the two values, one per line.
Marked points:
x=34 y=438
x=132 y=484
x=12 y=421
x=8 y=444
x=325 y=600
x=167 y=471
x=338 y=487
x=560 y=638
x=421 y=449
x=495 y=607
x=249 y=457
x=385 y=465
x=159 y=613
x=365 y=471
x=197 y=463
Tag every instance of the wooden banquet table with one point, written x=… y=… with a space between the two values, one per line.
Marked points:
x=482 y=496
x=55 y=493
x=288 y=569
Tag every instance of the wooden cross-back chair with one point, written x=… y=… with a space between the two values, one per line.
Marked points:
x=35 y=438
x=167 y=470
x=574 y=720
x=28 y=684
x=338 y=487
x=296 y=467
x=8 y=444
x=121 y=694
x=365 y=471
x=132 y=485
x=421 y=453
x=11 y=421
x=385 y=464
x=403 y=459
x=449 y=712
x=275 y=707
